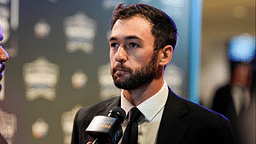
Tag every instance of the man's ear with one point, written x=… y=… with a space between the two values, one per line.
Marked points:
x=165 y=55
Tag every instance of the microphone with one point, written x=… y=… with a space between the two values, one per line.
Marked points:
x=107 y=129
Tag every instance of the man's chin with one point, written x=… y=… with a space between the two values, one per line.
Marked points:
x=118 y=82
x=119 y=78
x=124 y=85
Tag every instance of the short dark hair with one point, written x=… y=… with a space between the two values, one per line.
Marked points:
x=163 y=27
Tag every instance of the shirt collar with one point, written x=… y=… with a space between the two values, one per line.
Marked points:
x=152 y=106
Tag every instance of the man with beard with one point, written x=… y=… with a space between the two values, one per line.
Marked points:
x=142 y=42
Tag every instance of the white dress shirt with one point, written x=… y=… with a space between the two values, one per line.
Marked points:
x=241 y=97
x=152 y=110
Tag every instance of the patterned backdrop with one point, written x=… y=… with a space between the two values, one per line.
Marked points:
x=59 y=63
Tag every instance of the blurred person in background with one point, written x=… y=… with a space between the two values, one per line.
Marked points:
x=3 y=58
x=235 y=98
x=247 y=118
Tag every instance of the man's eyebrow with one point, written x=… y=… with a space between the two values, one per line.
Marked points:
x=132 y=37
x=126 y=38
x=112 y=39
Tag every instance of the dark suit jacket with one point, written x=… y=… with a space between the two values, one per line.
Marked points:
x=2 y=139
x=183 y=122
x=223 y=103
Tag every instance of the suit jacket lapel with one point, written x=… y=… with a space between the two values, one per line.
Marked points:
x=172 y=128
x=109 y=105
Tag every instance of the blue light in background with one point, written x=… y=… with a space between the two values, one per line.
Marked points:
x=242 y=48
x=195 y=50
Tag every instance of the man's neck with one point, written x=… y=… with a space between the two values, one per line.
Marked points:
x=144 y=92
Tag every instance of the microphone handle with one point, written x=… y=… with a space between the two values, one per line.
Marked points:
x=95 y=141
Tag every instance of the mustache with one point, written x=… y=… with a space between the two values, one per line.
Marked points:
x=121 y=68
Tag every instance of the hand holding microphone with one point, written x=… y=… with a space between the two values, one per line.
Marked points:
x=107 y=129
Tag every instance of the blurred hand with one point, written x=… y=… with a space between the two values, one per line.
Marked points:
x=3 y=57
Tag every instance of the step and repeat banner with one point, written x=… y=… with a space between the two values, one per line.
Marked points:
x=59 y=62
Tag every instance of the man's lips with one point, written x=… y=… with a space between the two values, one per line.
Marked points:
x=119 y=70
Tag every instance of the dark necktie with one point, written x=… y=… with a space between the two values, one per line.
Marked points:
x=131 y=131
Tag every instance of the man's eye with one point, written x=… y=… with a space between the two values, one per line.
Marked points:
x=133 y=45
x=114 y=45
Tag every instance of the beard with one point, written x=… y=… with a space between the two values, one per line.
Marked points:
x=140 y=76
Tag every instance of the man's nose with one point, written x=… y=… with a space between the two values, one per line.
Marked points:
x=121 y=55
x=3 y=55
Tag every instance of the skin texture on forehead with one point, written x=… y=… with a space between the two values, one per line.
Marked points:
x=138 y=17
